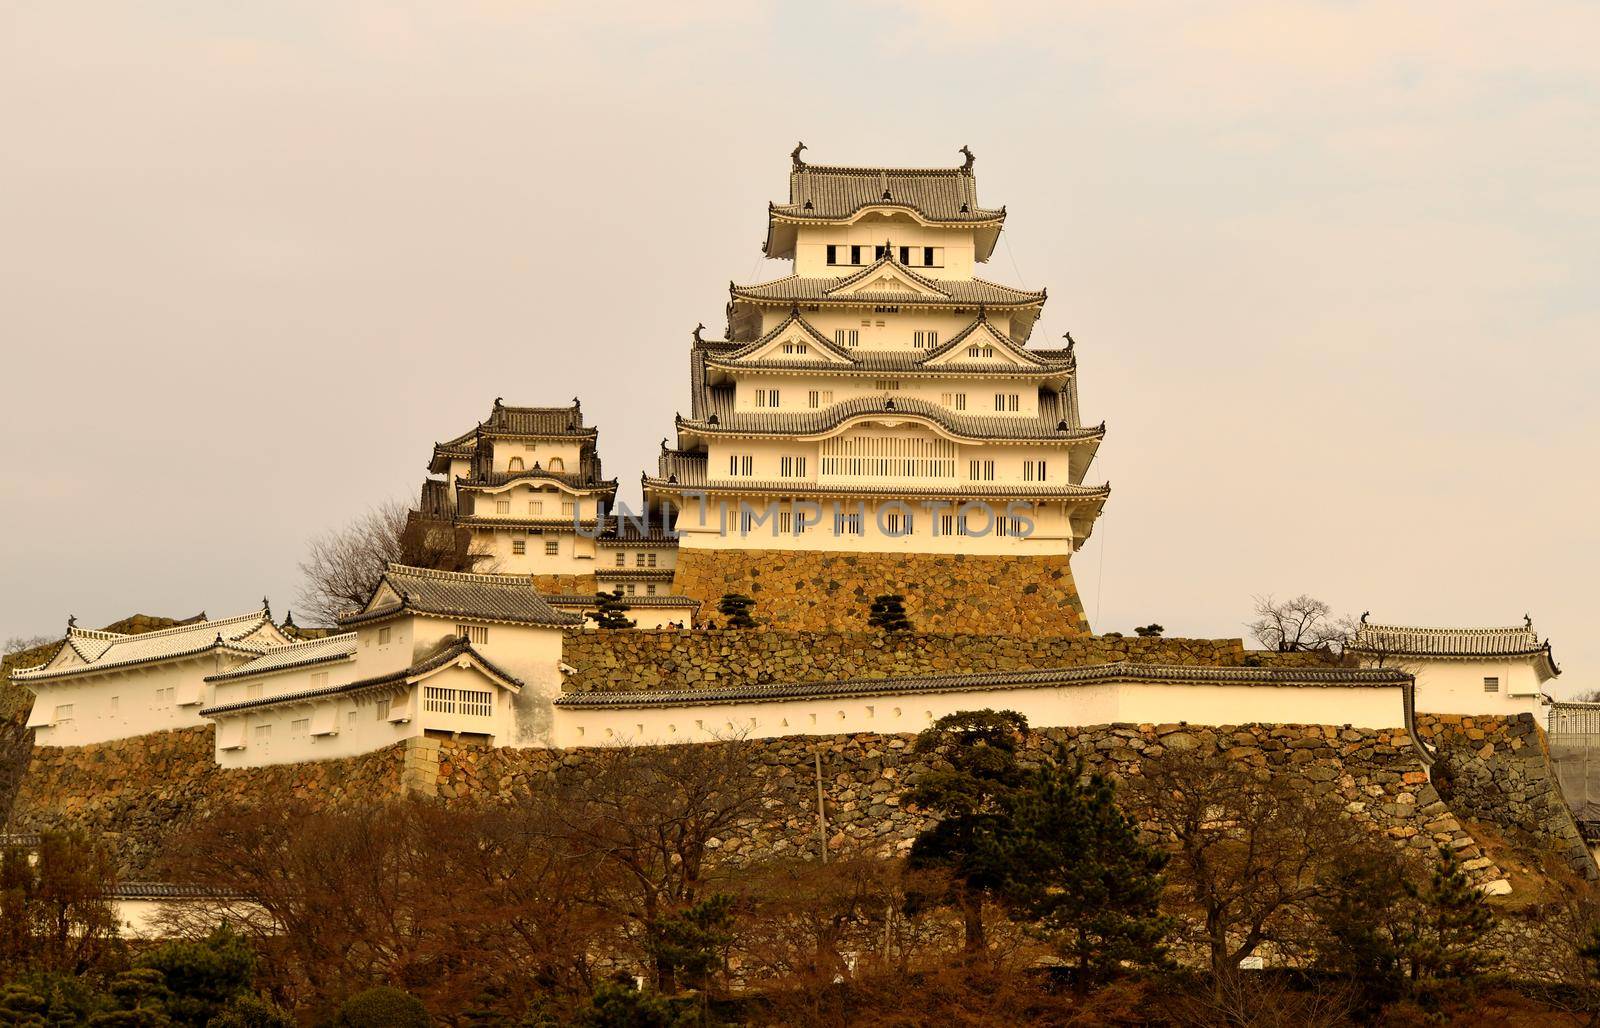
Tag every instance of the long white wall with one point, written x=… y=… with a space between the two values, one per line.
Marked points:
x=1367 y=706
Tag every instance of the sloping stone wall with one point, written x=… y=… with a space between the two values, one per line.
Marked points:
x=1497 y=770
x=622 y=661
x=801 y=589
x=139 y=792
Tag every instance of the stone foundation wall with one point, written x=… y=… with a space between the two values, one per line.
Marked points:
x=1497 y=770
x=622 y=661
x=565 y=585
x=141 y=793
x=138 y=793
x=799 y=589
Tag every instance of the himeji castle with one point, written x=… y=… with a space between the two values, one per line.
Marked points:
x=882 y=402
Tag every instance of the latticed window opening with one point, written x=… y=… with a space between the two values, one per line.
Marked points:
x=441 y=700
x=889 y=456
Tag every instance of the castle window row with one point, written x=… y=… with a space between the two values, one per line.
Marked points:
x=642 y=559
x=850 y=255
x=954 y=520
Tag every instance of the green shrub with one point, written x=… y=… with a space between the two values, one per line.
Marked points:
x=383 y=1007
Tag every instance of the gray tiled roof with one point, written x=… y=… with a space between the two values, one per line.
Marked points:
x=495 y=479
x=1468 y=643
x=582 y=600
x=1051 y=362
x=447 y=650
x=918 y=490
x=170 y=890
x=459 y=594
x=954 y=292
x=103 y=651
x=534 y=422
x=1334 y=677
x=835 y=192
x=1049 y=425
x=326 y=650
x=681 y=467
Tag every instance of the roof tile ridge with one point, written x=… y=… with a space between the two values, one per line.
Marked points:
x=99 y=633
x=259 y=614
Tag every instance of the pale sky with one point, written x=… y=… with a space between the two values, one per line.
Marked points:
x=1331 y=268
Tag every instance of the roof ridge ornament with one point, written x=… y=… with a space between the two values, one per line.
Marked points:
x=794 y=155
x=966 y=169
x=698 y=328
x=72 y=622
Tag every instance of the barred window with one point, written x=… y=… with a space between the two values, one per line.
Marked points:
x=552 y=547
x=1033 y=471
x=1491 y=684
x=792 y=467
x=441 y=700
x=474 y=633
x=889 y=456
x=980 y=470
x=741 y=464
x=519 y=547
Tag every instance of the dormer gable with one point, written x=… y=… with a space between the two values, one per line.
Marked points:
x=981 y=344
x=888 y=278
x=792 y=341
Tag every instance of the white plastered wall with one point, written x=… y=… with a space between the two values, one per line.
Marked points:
x=121 y=704
x=1047 y=707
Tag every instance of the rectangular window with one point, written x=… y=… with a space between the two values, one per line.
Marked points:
x=630 y=589
x=519 y=547
x=766 y=397
x=985 y=352
x=980 y=470
x=1491 y=684
x=1033 y=471
x=855 y=255
x=847 y=337
x=847 y=524
x=880 y=251
x=253 y=691
x=813 y=399
x=622 y=559
x=568 y=508
x=300 y=728
x=116 y=704
x=887 y=385
x=1007 y=401
x=961 y=401
x=833 y=253
x=263 y=734
x=319 y=679
x=350 y=719
x=785 y=522
x=63 y=712
x=741 y=465
x=502 y=506
x=650 y=559
x=800 y=348
x=535 y=506
x=897 y=523
x=552 y=547
x=650 y=589
x=383 y=637
x=927 y=257
x=925 y=340
x=381 y=710
x=474 y=633
x=905 y=255
x=792 y=467
x=441 y=700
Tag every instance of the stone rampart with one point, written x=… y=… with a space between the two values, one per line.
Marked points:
x=1496 y=770
x=622 y=661
x=141 y=792
x=803 y=589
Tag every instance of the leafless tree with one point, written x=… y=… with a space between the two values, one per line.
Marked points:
x=1303 y=623
x=655 y=819
x=343 y=565
x=1250 y=850
x=18 y=643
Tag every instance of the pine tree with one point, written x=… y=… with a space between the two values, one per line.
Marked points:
x=971 y=784
x=611 y=611
x=1450 y=926
x=736 y=607
x=1075 y=867
x=889 y=613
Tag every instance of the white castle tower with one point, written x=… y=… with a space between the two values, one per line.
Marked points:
x=874 y=422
